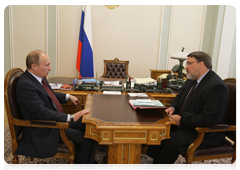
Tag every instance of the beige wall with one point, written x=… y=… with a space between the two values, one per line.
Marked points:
x=129 y=32
x=68 y=32
x=28 y=32
x=186 y=30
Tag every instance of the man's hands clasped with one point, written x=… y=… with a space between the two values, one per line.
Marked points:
x=175 y=117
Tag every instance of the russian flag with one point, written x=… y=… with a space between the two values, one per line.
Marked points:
x=85 y=54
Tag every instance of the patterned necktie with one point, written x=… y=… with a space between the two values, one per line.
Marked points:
x=53 y=97
x=188 y=96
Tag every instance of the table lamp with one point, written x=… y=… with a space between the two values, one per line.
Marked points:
x=181 y=56
x=179 y=82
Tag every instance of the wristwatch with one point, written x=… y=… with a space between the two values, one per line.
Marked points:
x=71 y=117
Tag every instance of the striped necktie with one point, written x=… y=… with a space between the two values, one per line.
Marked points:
x=53 y=97
x=188 y=96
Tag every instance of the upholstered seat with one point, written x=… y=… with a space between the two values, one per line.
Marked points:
x=16 y=124
x=115 y=69
x=228 y=148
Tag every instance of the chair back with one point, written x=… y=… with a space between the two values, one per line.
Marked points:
x=11 y=104
x=115 y=69
x=231 y=110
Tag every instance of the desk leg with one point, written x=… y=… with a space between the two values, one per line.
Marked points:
x=124 y=154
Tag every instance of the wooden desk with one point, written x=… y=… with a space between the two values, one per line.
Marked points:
x=68 y=107
x=124 y=139
x=112 y=121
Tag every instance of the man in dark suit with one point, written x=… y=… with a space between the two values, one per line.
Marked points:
x=37 y=100
x=200 y=104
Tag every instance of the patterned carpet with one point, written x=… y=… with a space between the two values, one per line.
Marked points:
x=100 y=153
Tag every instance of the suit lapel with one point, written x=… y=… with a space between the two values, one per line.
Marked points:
x=41 y=88
x=198 y=89
x=37 y=83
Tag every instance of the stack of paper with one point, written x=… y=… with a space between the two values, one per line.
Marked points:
x=144 y=81
x=137 y=94
x=55 y=86
x=112 y=92
x=146 y=104
x=111 y=83
x=66 y=87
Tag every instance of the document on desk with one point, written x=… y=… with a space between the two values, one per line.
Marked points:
x=113 y=83
x=144 y=81
x=112 y=92
x=146 y=104
x=137 y=94
x=55 y=86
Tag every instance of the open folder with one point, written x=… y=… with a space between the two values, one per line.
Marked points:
x=146 y=104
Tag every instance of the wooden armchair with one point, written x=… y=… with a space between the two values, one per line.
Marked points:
x=65 y=150
x=115 y=69
x=228 y=148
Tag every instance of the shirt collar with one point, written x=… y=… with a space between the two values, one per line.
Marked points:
x=38 y=78
x=200 y=79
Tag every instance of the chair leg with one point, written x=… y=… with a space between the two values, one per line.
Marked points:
x=15 y=159
x=233 y=163
x=71 y=164
x=188 y=162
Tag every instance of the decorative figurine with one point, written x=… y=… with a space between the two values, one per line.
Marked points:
x=136 y=88
x=150 y=89
x=128 y=84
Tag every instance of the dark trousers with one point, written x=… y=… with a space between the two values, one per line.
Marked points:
x=167 y=152
x=84 y=147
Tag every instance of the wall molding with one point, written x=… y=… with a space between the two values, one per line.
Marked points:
x=57 y=40
x=7 y=50
x=226 y=44
x=11 y=36
x=164 y=36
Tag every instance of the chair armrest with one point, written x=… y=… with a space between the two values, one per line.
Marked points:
x=201 y=132
x=41 y=123
x=217 y=128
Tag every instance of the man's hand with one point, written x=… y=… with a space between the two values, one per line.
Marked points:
x=73 y=99
x=169 y=111
x=79 y=114
x=176 y=118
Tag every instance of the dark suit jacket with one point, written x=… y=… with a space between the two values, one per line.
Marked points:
x=35 y=103
x=206 y=107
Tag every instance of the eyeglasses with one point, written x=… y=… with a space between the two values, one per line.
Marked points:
x=188 y=63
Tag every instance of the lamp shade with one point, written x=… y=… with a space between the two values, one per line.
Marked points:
x=179 y=55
